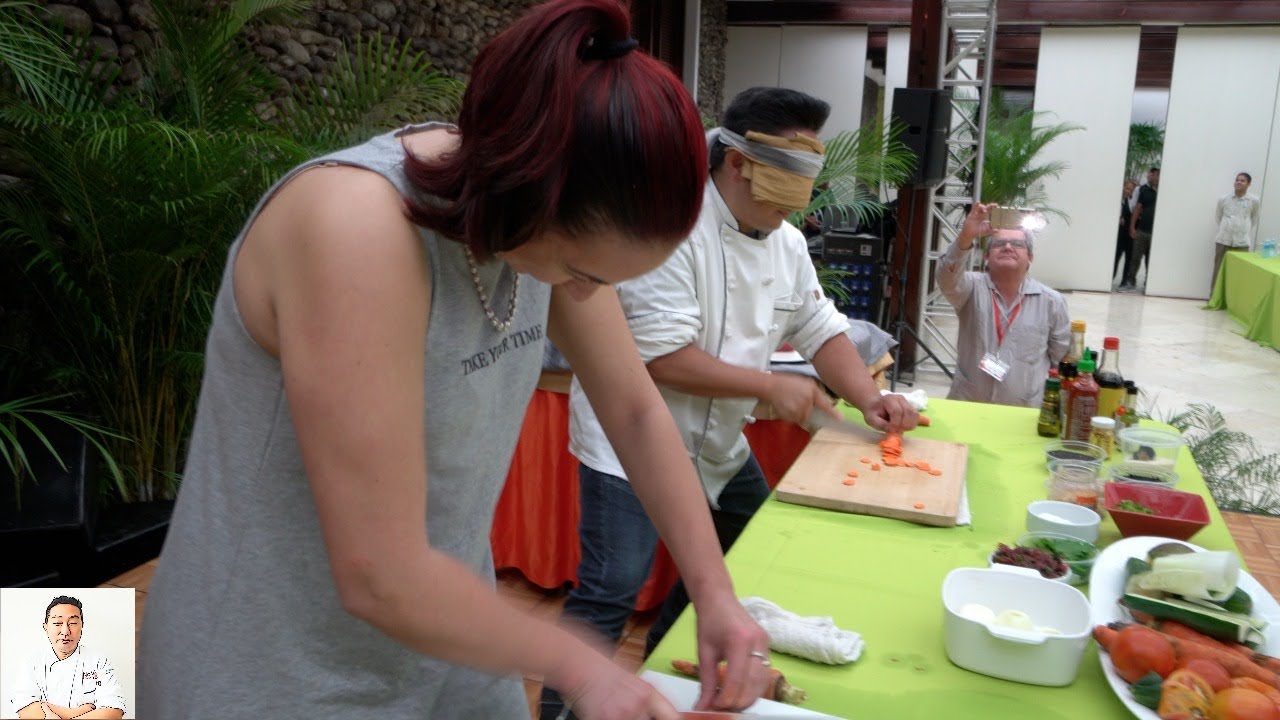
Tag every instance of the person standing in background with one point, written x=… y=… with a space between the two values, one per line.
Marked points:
x=1124 y=243
x=1237 y=217
x=1144 y=215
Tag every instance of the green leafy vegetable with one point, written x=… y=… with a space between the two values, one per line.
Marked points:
x=1133 y=506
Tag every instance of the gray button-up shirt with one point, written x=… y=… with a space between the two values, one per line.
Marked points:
x=1036 y=340
x=1237 y=217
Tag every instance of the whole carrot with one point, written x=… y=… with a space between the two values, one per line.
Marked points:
x=925 y=421
x=1272 y=694
x=1106 y=636
x=777 y=689
x=1179 y=630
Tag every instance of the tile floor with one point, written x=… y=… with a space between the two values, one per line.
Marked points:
x=1176 y=352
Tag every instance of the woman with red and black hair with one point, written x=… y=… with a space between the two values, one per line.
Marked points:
x=377 y=336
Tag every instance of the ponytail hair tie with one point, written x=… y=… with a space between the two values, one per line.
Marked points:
x=609 y=49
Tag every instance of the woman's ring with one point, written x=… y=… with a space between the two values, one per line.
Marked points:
x=764 y=659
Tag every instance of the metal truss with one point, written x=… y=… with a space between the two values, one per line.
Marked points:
x=967 y=56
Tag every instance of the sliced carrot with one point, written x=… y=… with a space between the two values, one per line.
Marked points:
x=849 y=481
x=918 y=506
x=875 y=466
x=853 y=474
x=865 y=460
x=935 y=472
x=925 y=421
x=924 y=466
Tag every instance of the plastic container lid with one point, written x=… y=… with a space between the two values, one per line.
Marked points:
x=1087 y=366
x=1053 y=383
x=1103 y=423
x=1151 y=437
x=1111 y=343
x=1077 y=326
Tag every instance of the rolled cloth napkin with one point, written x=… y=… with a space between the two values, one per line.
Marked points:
x=812 y=638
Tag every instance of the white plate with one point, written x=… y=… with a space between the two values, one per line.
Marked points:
x=1106 y=585
x=683 y=693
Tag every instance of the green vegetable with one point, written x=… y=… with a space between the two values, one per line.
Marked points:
x=1239 y=602
x=1134 y=506
x=1068 y=549
x=1225 y=626
x=1147 y=690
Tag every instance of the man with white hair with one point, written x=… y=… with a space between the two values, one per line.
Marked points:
x=1012 y=328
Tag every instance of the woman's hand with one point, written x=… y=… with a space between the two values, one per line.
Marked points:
x=726 y=633
x=607 y=692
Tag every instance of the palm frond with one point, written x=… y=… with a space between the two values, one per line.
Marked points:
x=377 y=86
x=33 y=55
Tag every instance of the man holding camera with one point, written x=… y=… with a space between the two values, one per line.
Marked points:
x=1012 y=328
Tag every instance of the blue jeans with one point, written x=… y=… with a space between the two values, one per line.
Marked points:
x=619 y=541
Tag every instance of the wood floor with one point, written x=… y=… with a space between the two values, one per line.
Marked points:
x=1257 y=536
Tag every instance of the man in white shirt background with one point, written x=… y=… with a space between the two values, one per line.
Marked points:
x=706 y=323
x=66 y=680
x=1237 y=217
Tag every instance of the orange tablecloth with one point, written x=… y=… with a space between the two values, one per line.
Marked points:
x=535 y=528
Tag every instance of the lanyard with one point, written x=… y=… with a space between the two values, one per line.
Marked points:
x=995 y=313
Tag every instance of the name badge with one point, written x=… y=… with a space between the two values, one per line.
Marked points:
x=994 y=366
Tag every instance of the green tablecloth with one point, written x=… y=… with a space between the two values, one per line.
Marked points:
x=1248 y=287
x=883 y=579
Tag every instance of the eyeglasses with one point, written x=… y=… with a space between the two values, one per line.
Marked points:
x=997 y=243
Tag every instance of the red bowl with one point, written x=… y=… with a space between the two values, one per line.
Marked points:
x=1178 y=515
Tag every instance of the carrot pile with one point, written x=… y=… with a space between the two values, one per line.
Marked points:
x=1239 y=661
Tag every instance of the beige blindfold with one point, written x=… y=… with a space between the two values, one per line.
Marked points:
x=774 y=186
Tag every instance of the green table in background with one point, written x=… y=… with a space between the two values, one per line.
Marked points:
x=883 y=578
x=1248 y=287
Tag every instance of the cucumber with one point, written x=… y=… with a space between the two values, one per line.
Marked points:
x=1239 y=602
x=1136 y=566
x=1219 y=624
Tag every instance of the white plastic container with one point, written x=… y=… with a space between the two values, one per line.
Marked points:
x=1025 y=656
x=1152 y=446
x=1065 y=518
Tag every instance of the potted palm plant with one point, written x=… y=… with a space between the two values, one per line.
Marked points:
x=1011 y=173
x=119 y=204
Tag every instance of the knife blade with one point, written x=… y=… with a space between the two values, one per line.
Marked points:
x=820 y=419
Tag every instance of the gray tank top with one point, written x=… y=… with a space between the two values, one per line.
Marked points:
x=243 y=618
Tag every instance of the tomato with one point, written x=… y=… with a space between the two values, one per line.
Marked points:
x=1185 y=696
x=1243 y=704
x=1138 y=650
x=1180 y=703
x=1213 y=673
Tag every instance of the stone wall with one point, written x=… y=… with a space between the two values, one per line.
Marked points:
x=712 y=37
x=450 y=32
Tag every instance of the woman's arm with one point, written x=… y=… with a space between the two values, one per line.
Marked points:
x=349 y=289
x=593 y=336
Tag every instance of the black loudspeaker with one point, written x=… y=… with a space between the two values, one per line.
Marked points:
x=926 y=115
x=858 y=257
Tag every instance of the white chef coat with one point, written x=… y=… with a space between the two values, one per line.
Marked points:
x=83 y=677
x=736 y=297
x=1237 y=217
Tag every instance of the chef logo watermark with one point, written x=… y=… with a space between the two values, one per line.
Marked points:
x=67 y=652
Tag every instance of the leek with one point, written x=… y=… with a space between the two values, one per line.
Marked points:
x=1208 y=575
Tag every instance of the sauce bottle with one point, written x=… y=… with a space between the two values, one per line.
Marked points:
x=1067 y=375
x=1050 y=423
x=1075 y=353
x=1111 y=390
x=1084 y=403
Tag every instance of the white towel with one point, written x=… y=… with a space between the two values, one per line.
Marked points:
x=918 y=398
x=812 y=638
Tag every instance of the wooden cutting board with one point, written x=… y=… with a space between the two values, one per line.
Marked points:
x=818 y=475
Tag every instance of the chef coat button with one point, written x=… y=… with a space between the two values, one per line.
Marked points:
x=727 y=334
x=732 y=285
x=773 y=327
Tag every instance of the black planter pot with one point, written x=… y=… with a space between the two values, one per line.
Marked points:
x=56 y=534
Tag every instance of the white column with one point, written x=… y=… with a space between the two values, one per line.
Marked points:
x=1221 y=121
x=692 y=41
x=1085 y=76
x=1269 y=215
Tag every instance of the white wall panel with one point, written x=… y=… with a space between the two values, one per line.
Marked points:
x=1269 y=215
x=1086 y=77
x=752 y=56
x=827 y=62
x=1221 y=117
